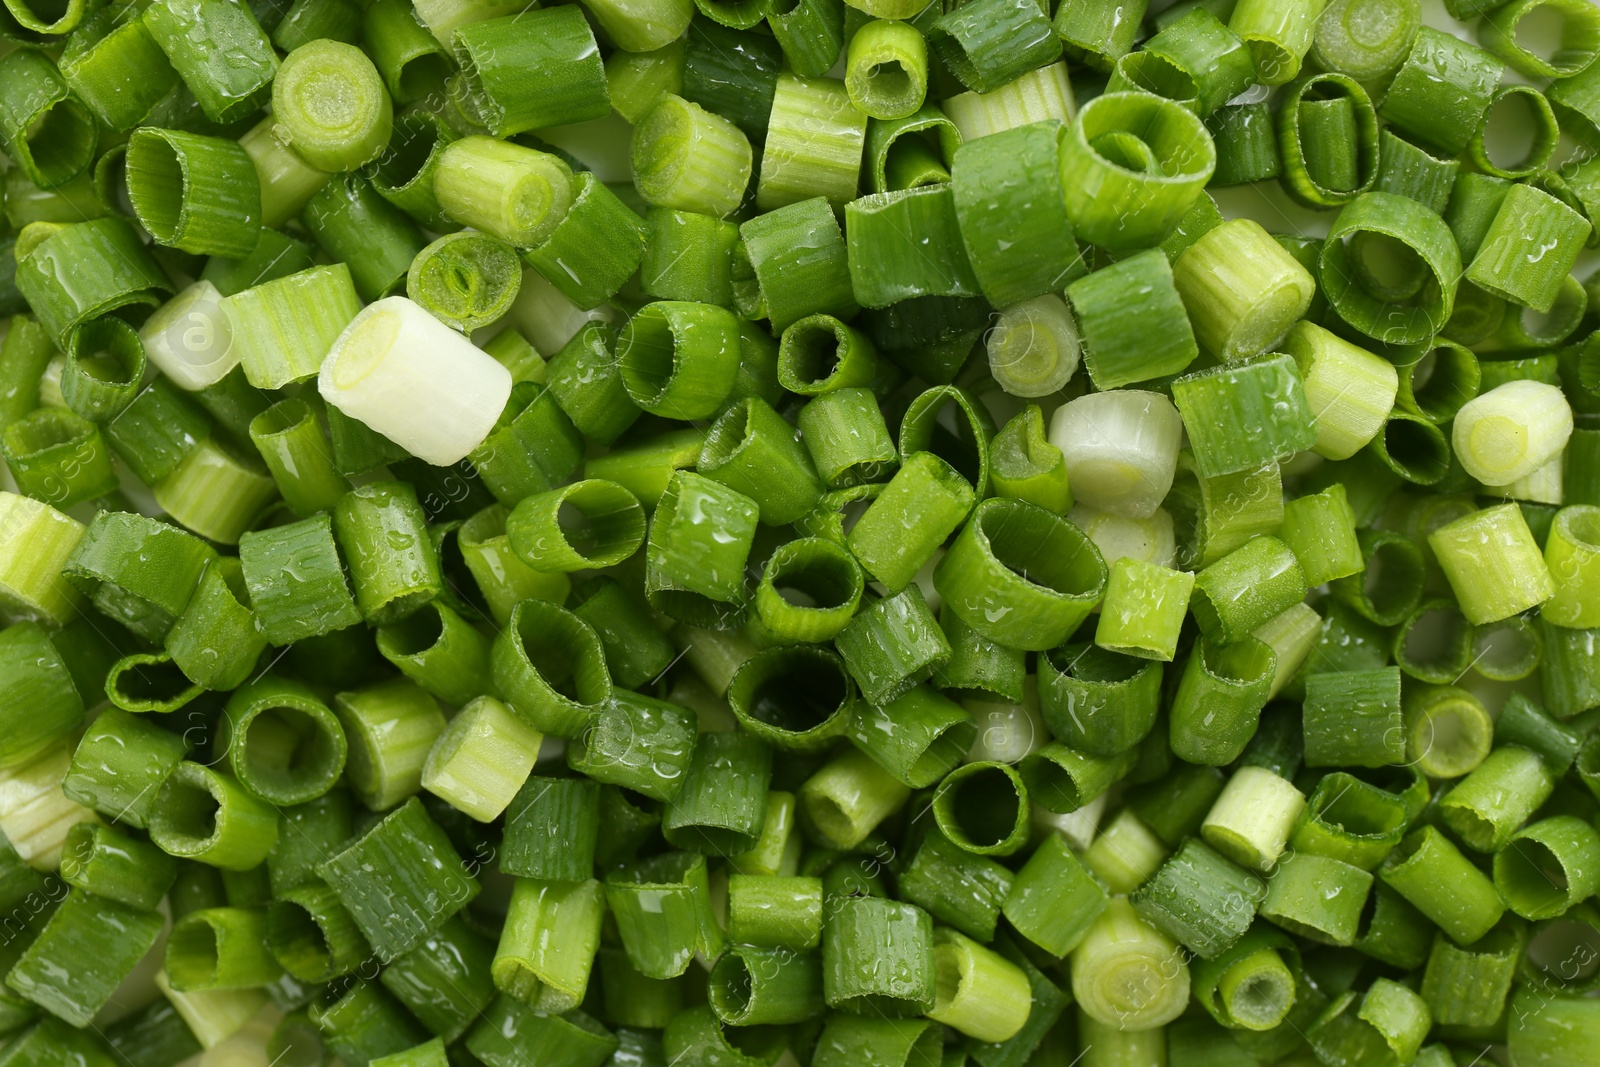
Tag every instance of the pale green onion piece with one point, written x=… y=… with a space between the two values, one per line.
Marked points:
x=1039 y=95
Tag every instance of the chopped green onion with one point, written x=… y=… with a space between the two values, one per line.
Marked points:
x=815 y=138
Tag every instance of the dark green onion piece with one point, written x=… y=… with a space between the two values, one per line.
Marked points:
x=751 y=449
x=593 y=251
x=1018 y=247
x=1133 y=322
x=905 y=245
x=532 y=70
x=423 y=880
x=137 y=571
x=319 y=602
x=112 y=63
x=57 y=457
x=1266 y=394
x=662 y=907
x=988 y=43
x=108 y=269
x=1219 y=699
x=1519 y=107
x=86 y=949
x=543 y=654
x=119 y=763
x=796 y=698
x=699 y=542
x=1099 y=33
x=220 y=948
x=1328 y=137
x=148 y=681
x=221 y=53
x=1433 y=875
x=1097 y=701
x=109 y=863
x=49 y=133
x=353 y=223
x=893 y=644
x=1200 y=899
x=1062 y=779
x=195 y=193
x=282 y=743
x=446 y=981
x=1548 y=867
x=721 y=806
x=1354 y=719
x=361 y=1023
x=638 y=743
x=983 y=808
x=1442 y=90
x=878 y=958
x=688 y=256
x=1486 y=807
x=1529 y=248
x=202 y=814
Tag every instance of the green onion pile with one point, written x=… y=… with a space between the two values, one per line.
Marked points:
x=769 y=533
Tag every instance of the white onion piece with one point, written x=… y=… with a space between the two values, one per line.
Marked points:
x=1034 y=349
x=1511 y=431
x=1150 y=540
x=189 y=338
x=1121 y=449
x=411 y=378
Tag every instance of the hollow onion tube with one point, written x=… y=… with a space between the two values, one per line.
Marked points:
x=1121 y=449
x=679 y=359
x=1328 y=137
x=886 y=69
x=1502 y=33
x=1113 y=198
x=1391 y=236
x=395 y=362
x=107 y=266
x=1572 y=554
x=104 y=367
x=198 y=194
x=982 y=576
x=411 y=61
x=587 y=524
x=48 y=132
